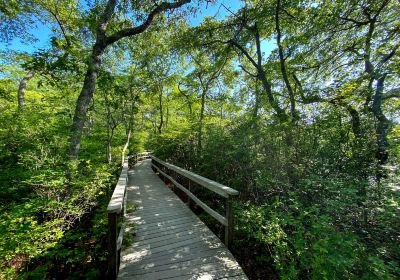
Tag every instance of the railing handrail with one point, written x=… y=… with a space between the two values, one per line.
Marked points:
x=203 y=181
x=117 y=199
x=216 y=187
x=145 y=153
x=116 y=209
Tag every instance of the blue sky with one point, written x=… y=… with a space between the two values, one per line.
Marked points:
x=215 y=10
x=42 y=32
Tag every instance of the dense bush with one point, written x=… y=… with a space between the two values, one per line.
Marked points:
x=48 y=203
x=314 y=210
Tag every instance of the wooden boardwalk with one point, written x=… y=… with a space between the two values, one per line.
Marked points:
x=170 y=242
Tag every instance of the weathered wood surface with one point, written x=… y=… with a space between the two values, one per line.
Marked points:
x=116 y=210
x=205 y=207
x=117 y=200
x=205 y=182
x=170 y=242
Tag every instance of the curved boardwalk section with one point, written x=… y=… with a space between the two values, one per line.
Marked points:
x=170 y=242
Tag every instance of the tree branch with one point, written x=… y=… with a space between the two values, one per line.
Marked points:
x=105 y=17
x=164 y=6
x=248 y=72
x=388 y=56
x=248 y=56
x=61 y=25
x=393 y=93
x=356 y=22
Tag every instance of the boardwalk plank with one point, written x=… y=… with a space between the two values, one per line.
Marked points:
x=166 y=238
x=157 y=263
x=156 y=228
x=166 y=232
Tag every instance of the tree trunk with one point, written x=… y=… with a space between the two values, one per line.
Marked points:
x=128 y=127
x=128 y=138
x=22 y=88
x=167 y=116
x=200 y=131
x=160 y=126
x=110 y=134
x=383 y=124
x=84 y=99
x=282 y=62
x=109 y=151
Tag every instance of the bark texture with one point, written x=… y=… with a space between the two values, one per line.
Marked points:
x=22 y=87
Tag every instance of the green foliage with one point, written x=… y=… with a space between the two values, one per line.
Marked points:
x=48 y=203
x=310 y=217
x=127 y=241
x=30 y=229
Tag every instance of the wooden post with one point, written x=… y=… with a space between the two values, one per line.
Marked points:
x=112 y=246
x=124 y=203
x=229 y=227
x=188 y=197
x=173 y=175
x=165 y=171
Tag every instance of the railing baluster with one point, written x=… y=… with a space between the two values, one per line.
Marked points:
x=189 y=203
x=230 y=226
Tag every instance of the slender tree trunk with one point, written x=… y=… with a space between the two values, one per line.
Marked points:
x=110 y=134
x=22 y=88
x=128 y=127
x=128 y=138
x=200 y=131
x=167 y=115
x=263 y=76
x=109 y=151
x=160 y=126
x=187 y=97
x=205 y=86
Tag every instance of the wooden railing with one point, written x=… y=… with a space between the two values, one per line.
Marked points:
x=133 y=159
x=228 y=193
x=116 y=211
